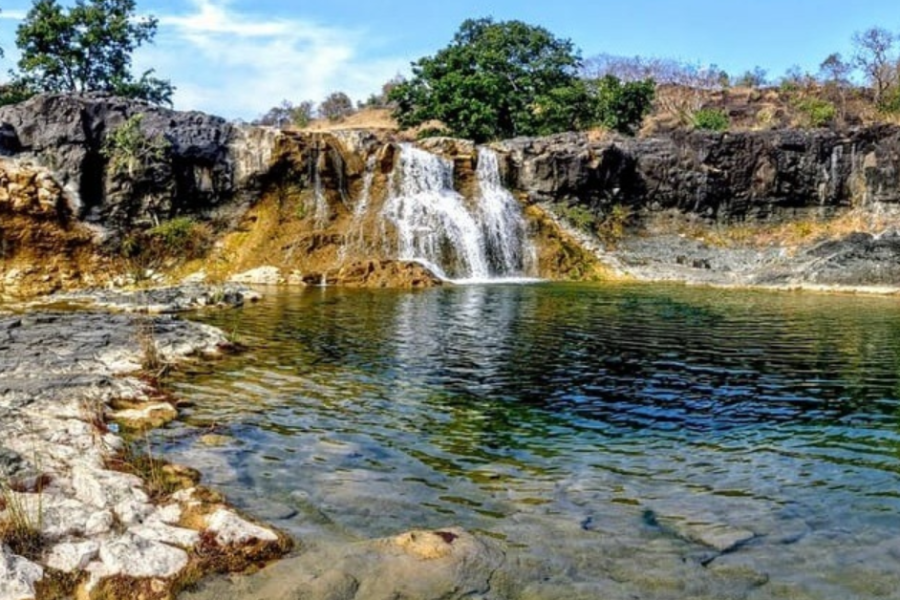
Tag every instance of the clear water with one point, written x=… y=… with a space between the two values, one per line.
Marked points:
x=620 y=442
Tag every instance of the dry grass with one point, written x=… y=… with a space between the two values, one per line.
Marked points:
x=20 y=527
x=369 y=118
x=791 y=234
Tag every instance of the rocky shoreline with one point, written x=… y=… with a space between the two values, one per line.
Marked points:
x=87 y=509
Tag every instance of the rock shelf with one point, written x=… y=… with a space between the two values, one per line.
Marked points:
x=77 y=512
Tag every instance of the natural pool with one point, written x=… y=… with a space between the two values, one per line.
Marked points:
x=621 y=441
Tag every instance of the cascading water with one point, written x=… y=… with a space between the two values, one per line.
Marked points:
x=509 y=250
x=434 y=225
x=355 y=238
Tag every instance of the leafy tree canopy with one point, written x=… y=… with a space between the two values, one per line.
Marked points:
x=496 y=80
x=87 y=47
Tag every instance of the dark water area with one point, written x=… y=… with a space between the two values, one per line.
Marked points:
x=619 y=441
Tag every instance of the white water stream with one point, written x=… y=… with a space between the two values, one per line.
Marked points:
x=436 y=226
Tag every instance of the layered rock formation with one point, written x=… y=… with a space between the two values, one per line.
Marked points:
x=313 y=208
x=717 y=176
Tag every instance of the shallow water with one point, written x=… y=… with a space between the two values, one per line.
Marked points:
x=621 y=442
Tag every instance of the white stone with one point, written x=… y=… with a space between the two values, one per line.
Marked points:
x=132 y=512
x=232 y=529
x=170 y=514
x=135 y=556
x=69 y=557
x=65 y=517
x=17 y=576
x=158 y=531
x=99 y=523
x=259 y=276
x=103 y=489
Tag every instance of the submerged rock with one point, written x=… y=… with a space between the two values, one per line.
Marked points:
x=426 y=565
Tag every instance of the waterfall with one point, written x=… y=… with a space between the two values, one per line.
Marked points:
x=435 y=226
x=356 y=235
x=510 y=251
x=320 y=211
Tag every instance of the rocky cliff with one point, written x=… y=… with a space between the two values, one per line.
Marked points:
x=221 y=199
x=717 y=176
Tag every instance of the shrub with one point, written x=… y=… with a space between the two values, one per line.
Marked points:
x=577 y=216
x=182 y=236
x=889 y=103
x=128 y=148
x=171 y=241
x=710 y=119
x=817 y=112
x=611 y=228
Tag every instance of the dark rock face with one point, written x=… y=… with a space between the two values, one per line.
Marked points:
x=721 y=177
x=66 y=134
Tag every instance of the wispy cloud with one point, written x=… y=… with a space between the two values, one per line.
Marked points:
x=233 y=62
x=13 y=15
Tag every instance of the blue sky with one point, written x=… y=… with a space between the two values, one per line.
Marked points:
x=236 y=58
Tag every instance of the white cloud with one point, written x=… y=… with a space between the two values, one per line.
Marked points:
x=13 y=15
x=238 y=64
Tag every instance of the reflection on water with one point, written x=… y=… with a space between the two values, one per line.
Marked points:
x=622 y=442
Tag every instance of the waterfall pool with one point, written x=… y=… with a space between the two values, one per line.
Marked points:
x=621 y=441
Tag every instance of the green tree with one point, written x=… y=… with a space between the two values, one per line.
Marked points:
x=496 y=80
x=622 y=106
x=87 y=47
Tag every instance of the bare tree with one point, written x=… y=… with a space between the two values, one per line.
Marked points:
x=834 y=73
x=336 y=106
x=874 y=56
x=681 y=87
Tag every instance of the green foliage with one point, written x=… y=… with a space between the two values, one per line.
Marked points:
x=15 y=92
x=889 y=103
x=577 y=216
x=128 y=148
x=182 y=235
x=496 y=80
x=816 y=111
x=87 y=47
x=623 y=106
x=711 y=119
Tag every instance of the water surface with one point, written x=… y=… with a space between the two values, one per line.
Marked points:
x=620 y=442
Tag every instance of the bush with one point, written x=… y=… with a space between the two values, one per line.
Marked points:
x=710 y=119
x=182 y=235
x=178 y=239
x=817 y=112
x=336 y=106
x=128 y=148
x=889 y=103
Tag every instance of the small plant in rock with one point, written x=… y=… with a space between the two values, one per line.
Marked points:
x=152 y=361
x=710 y=119
x=20 y=523
x=577 y=216
x=611 y=229
x=129 y=149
